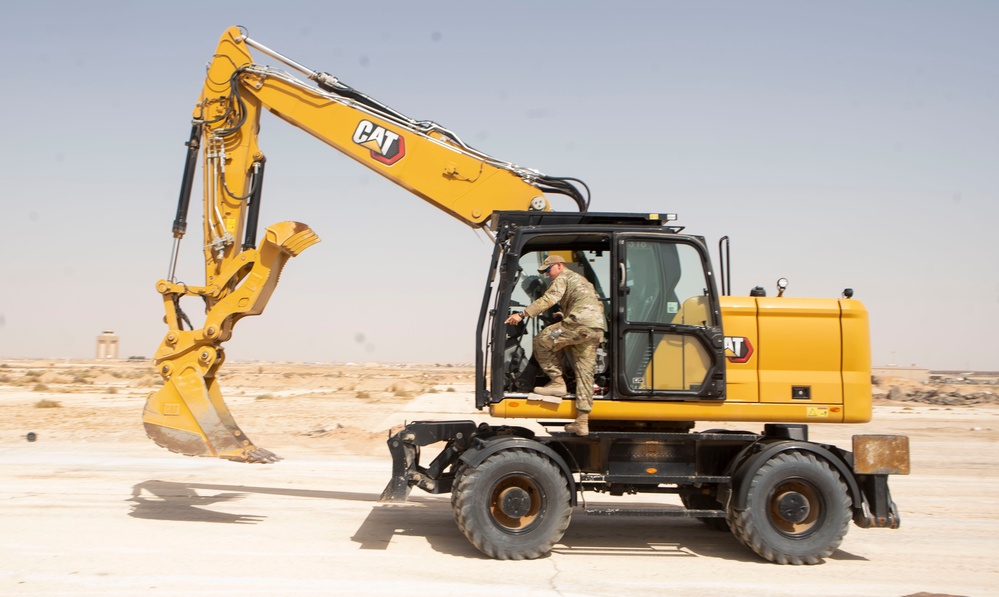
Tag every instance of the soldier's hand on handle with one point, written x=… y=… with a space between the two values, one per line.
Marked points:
x=515 y=318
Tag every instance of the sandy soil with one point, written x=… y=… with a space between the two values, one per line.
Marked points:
x=339 y=408
x=92 y=507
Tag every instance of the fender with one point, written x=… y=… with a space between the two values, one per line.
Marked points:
x=749 y=463
x=486 y=447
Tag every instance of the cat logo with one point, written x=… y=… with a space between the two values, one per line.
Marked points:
x=386 y=147
x=738 y=349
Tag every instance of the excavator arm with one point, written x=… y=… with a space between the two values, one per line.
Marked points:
x=188 y=414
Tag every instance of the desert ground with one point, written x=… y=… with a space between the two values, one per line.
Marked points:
x=93 y=507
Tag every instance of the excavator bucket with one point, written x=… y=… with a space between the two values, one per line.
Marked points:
x=188 y=415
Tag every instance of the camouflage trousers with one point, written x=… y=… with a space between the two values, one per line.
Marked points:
x=580 y=343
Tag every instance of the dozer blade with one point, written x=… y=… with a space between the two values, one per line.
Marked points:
x=187 y=415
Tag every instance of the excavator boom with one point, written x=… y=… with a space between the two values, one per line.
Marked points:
x=188 y=414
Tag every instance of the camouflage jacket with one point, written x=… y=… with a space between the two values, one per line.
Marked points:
x=578 y=300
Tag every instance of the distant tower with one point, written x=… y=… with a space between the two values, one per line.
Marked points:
x=107 y=345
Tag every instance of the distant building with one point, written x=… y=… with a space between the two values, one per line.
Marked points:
x=908 y=373
x=107 y=345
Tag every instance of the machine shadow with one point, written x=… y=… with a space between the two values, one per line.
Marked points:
x=430 y=518
x=170 y=500
x=427 y=518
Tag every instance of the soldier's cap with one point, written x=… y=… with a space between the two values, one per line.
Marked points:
x=552 y=260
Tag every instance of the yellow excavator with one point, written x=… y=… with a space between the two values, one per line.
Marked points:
x=679 y=349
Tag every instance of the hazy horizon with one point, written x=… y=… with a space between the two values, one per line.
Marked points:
x=363 y=363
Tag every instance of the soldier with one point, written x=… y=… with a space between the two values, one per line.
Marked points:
x=580 y=332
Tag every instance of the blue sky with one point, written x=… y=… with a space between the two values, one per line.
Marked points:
x=838 y=144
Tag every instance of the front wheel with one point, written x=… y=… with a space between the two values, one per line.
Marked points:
x=797 y=510
x=513 y=506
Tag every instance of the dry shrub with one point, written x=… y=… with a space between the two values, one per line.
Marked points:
x=48 y=404
x=40 y=387
x=404 y=388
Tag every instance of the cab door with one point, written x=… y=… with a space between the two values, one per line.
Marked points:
x=667 y=336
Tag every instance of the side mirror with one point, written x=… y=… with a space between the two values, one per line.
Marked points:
x=781 y=286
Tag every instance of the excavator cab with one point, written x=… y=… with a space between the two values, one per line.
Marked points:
x=664 y=339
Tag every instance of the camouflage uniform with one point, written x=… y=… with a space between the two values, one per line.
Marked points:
x=580 y=332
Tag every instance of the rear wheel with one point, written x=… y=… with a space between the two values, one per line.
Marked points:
x=797 y=510
x=513 y=506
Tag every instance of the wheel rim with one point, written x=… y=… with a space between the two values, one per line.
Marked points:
x=516 y=503
x=796 y=509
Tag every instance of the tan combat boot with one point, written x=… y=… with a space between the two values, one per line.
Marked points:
x=555 y=387
x=581 y=426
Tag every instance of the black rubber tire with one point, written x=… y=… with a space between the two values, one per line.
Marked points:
x=816 y=510
x=460 y=470
x=530 y=481
x=695 y=500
